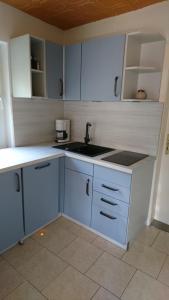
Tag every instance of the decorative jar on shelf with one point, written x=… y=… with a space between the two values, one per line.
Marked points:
x=141 y=94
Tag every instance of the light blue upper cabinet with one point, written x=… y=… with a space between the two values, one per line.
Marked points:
x=41 y=194
x=54 y=70
x=11 y=211
x=102 y=68
x=72 y=72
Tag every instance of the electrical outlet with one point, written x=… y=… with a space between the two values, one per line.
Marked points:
x=167 y=145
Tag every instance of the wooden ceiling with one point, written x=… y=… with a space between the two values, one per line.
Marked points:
x=66 y=14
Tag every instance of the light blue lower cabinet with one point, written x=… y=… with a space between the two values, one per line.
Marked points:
x=11 y=210
x=78 y=196
x=41 y=194
x=110 y=224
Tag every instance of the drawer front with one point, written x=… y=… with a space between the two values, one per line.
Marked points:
x=113 y=176
x=108 y=202
x=111 y=189
x=111 y=225
x=79 y=166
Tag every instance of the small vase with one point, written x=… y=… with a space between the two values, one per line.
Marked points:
x=141 y=94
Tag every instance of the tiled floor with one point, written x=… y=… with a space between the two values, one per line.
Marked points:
x=68 y=262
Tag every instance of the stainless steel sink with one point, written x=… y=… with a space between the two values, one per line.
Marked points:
x=84 y=149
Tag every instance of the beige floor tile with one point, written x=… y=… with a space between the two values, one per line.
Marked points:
x=55 y=240
x=80 y=254
x=144 y=287
x=145 y=258
x=20 y=254
x=25 y=292
x=102 y=294
x=148 y=235
x=83 y=233
x=42 y=268
x=162 y=242
x=9 y=279
x=74 y=228
x=164 y=274
x=62 y=223
x=111 y=273
x=71 y=285
x=108 y=247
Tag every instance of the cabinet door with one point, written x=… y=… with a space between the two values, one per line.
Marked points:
x=72 y=72
x=54 y=70
x=41 y=193
x=11 y=211
x=102 y=65
x=78 y=196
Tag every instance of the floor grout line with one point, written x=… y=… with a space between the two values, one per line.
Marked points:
x=95 y=292
x=166 y=257
x=128 y=283
x=153 y=242
x=102 y=252
x=13 y=290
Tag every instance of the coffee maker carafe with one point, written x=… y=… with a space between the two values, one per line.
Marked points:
x=62 y=131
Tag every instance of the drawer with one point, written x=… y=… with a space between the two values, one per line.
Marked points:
x=79 y=166
x=108 y=202
x=113 y=176
x=111 y=225
x=111 y=189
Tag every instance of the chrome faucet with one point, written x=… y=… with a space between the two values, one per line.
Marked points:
x=87 y=137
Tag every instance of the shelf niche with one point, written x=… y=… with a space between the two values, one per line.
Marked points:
x=143 y=65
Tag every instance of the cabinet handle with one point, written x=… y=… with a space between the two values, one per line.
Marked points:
x=108 y=202
x=115 y=86
x=87 y=187
x=18 y=185
x=42 y=167
x=61 y=87
x=109 y=188
x=107 y=215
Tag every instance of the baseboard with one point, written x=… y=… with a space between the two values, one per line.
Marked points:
x=125 y=247
x=160 y=225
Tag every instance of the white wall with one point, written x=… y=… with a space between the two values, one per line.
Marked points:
x=162 y=195
x=14 y=23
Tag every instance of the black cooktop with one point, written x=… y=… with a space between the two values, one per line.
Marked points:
x=125 y=158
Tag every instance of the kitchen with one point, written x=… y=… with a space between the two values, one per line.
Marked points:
x=39 y=172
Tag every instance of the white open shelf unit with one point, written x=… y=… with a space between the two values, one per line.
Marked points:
x=143 y=65
x=37 y=75
x=26 y=81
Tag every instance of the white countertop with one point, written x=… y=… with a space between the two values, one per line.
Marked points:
x=18 y=157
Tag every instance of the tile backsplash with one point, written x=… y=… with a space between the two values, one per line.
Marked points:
x=126 y=125
x=34 y=120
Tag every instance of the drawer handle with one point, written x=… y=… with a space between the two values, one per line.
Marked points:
x=107 y=215
x=108 y=202
x=18 y=185
x=87 y=187
x=109 y=188
x=42 y=167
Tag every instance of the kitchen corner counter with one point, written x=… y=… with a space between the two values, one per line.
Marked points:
x=19 y=157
